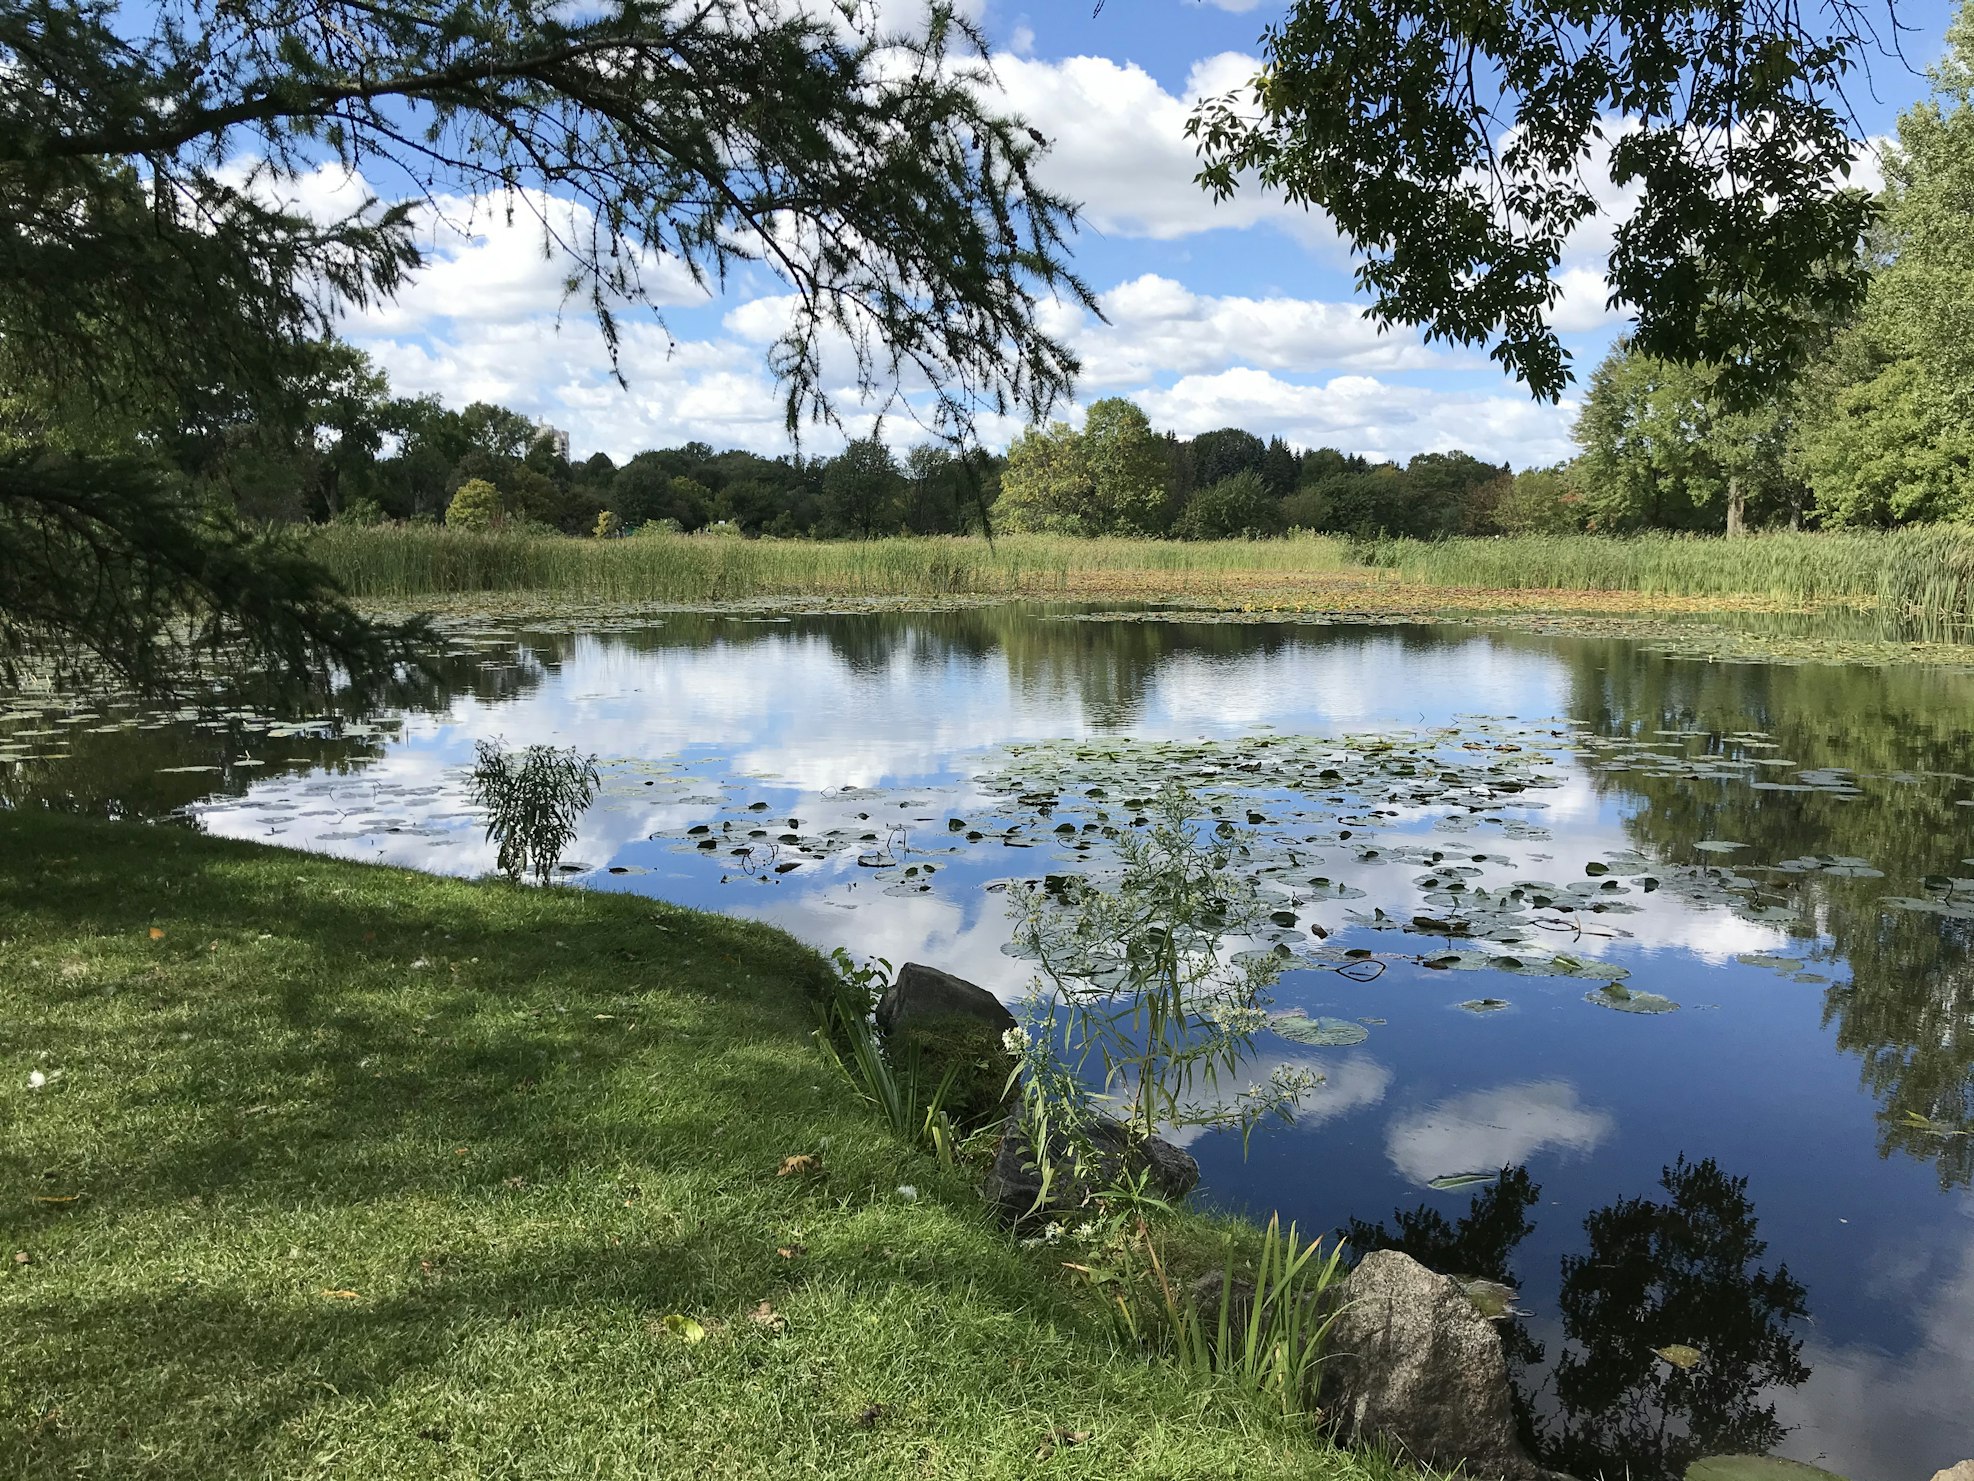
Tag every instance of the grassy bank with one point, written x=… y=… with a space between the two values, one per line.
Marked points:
x=1925 y=573
x=346 y=1171
x=407 y=562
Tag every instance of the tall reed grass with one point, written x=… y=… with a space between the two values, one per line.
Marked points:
x=1922 y=576
x=401 y=562
x=1923 y=573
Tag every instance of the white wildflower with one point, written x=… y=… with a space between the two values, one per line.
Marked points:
x=907 y=1192
x=1015 y=1040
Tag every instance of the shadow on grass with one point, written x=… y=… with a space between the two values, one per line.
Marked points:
x=342 y=1134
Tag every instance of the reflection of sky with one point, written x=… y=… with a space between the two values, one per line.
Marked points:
x=1907 y=1413
x=1594 y=1101
x=1486 y=1129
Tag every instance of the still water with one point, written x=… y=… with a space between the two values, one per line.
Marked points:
x=1773 y=1168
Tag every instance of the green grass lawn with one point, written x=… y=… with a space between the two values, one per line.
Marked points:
x=349 y=1171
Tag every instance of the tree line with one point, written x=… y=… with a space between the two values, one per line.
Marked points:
x=164 y=303
x=364 y=456
x=1872 y=425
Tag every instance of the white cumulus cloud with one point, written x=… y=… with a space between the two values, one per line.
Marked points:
x=1361 y=414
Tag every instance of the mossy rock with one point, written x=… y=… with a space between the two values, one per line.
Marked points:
x=980 y=1064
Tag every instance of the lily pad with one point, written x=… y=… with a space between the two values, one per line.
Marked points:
x=1624 y=1000
x=1323 y=1033
x=1755 y=1468
x=1491 y=1299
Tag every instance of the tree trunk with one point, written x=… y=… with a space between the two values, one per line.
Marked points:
x=1736 y=512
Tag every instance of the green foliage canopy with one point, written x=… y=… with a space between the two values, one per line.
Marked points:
x=1106 y=479
x=1417 y=125
x=872 y=170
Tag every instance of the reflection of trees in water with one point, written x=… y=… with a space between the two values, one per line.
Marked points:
x=1906 y=1011
x=1106 y=670
x=127 y=771
x=1908 y=1014
x=1684 y=1270
x=1481 y=1242
x=124 y=773
x=1663 y=1273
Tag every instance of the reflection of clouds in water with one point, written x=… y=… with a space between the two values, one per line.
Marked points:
x=1348 y=1085
x=1349 y=684
x=793 y=707
x=1487 y=1129
x=915 y=928
x=1868 y=1413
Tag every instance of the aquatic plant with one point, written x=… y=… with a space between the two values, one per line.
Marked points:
x=1136 y=983
x=532 y=799
x=1259 y=1323
x=1924 y=573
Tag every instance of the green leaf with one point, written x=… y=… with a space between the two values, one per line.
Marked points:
x=1616 y=995
x=684 y=1328
x=1452 y=1180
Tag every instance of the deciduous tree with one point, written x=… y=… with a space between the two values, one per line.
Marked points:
x=873 y=170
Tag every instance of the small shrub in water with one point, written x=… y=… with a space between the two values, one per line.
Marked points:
x=532 y=799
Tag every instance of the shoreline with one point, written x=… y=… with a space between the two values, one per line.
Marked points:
x=339 y=1159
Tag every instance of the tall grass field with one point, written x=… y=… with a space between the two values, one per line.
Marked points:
x=394 y=562
x=1923 y=574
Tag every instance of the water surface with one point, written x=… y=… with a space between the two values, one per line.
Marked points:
x=1776 y=1172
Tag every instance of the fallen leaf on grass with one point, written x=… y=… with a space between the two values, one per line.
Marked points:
x=157 y=933
x=22 y=1257
x=792 y=1251
x=344 y=1295
x=56 y=1198
x=800 y=1163
x=1680 y=1355
x=1059 y=1439
x=684 y=1328
x=768 y=1319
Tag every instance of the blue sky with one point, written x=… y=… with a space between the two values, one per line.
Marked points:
x=1243 y=314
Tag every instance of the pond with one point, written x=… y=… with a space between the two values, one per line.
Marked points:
x=1668 y=1017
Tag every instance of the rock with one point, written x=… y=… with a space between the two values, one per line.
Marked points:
x=1211 y=1289
x=921 y=993
x=1962 y=1472
x=942 y=1027
x=1013 y=1184
x=1415 y=1366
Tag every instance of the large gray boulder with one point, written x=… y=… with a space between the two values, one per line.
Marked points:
x=1413 y=1364
x=1014 y=1183
x=921 y=995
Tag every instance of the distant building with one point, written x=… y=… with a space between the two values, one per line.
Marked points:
x=555 y=437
